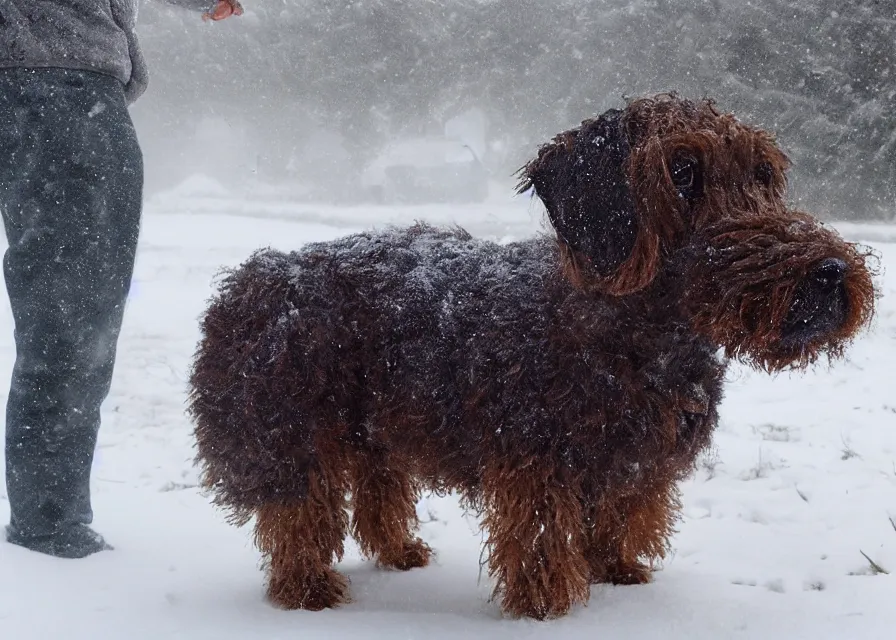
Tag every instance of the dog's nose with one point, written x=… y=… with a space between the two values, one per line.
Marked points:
x=829 y=273
x=820 y=304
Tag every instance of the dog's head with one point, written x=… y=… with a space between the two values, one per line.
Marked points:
x=674 y=194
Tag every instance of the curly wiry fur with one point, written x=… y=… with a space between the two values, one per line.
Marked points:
x=562 y=385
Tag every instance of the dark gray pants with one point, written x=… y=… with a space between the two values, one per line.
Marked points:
x=71 y=182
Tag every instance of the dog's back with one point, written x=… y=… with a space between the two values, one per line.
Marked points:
x=377 y=330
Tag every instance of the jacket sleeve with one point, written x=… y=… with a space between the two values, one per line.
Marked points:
x=195 y=5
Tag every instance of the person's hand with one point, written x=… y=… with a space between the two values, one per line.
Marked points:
x=224 y=9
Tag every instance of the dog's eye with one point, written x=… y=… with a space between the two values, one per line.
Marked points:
x=764 y=173
x=683 y=169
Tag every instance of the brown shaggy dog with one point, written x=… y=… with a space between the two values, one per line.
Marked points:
x=561 y=385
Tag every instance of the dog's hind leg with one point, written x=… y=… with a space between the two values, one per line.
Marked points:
x=384 y=519
x=626 y=536
x=301 y=539
x=536 y=539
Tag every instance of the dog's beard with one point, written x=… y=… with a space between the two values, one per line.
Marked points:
x=746 y=291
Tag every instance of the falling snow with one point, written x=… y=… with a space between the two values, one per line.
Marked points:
x=770 y=545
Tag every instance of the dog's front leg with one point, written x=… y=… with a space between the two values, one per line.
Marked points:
x=628 y=532
x=536 y=540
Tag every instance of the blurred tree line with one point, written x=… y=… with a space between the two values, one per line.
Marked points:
x=820 y=73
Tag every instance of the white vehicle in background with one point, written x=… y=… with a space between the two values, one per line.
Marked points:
x=426 y=170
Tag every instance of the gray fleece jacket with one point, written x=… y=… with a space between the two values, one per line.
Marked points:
x=93 y=35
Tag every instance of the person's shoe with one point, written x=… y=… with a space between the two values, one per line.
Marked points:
x=78 y=541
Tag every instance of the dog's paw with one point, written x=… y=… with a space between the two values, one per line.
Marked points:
x=630 y=574
x=538 y=606
x=546 y=599
x=313 y=592
x=414 y=554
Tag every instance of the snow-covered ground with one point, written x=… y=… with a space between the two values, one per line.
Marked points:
x=802 y=482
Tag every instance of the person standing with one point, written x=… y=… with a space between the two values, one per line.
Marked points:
x=71 y=191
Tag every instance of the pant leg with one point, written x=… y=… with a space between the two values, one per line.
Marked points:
x=71 y=180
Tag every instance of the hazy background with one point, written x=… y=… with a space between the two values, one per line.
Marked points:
x=297 y=97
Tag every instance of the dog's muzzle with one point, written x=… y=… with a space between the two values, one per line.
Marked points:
x=820 y=305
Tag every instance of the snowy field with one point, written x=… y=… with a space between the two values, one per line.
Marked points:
x=802 y=482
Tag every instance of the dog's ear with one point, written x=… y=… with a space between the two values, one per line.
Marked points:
x=582 y=178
